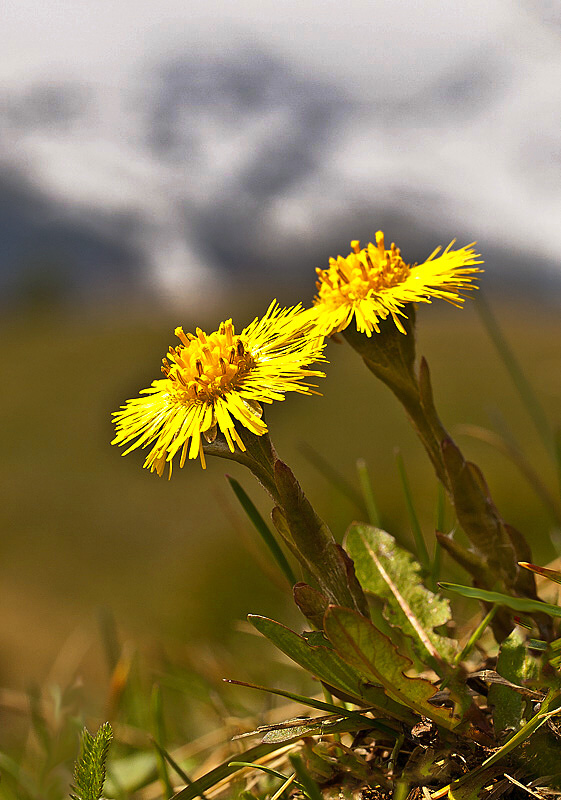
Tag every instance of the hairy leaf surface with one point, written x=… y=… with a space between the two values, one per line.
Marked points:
x=375 y=656
x=388 y=571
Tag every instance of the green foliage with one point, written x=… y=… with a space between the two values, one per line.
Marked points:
x=522 y=604
x=399 y=682
x=516 y=665
x=90 y=769
x=391 y=574
x=311 y=789
x=375 y=657
x=327 y=665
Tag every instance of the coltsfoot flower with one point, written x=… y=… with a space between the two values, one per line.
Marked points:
x=213 y=381
x=372 y=283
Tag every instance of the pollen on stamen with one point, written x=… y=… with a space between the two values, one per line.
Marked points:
x=181 y=335
x=372 y=284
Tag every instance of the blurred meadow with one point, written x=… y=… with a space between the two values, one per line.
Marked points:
x=176 y=560
x=181 y=165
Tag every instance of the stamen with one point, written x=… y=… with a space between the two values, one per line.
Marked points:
x=181 y=335
x=355 y=245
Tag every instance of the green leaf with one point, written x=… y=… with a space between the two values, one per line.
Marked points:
x=516 y=665
x=89 y=770
x=388 y=571
x=304 y=778
x=374 y=655
x=523 y=604
x=326 y=665
x=317 y=727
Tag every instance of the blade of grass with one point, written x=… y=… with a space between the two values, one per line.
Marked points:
x=367 y=493
x=516 y=740
x=523 y=386
x=156 y=710
x=222 y=774
x=263 y=529
x=422 y=552
x=333 y=476
x=307 y=782
x=282 y=788
x=475 y=636
x=329 y=699
x=440 y=523
x=268 y=770
x=511 y=450
x=175 y=766
x=524 y=604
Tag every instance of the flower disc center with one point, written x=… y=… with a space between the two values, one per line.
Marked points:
x=362 y=274
x=204 y=367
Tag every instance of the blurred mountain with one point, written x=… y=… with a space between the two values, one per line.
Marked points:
x=232 y=166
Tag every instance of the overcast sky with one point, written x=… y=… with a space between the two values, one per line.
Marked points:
x=451 y=110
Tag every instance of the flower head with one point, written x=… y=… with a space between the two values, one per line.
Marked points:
x=374 y=283
x=213 y=381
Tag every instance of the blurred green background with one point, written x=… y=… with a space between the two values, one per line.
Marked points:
x=176 y=561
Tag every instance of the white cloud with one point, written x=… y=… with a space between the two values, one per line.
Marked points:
x=489 y=162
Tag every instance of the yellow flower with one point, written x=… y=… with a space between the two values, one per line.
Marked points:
x=214 y=380
x=374 y=283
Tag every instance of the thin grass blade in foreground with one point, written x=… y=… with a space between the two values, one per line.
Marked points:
x=522 y=604
x=263 y=529
x=221 y=774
